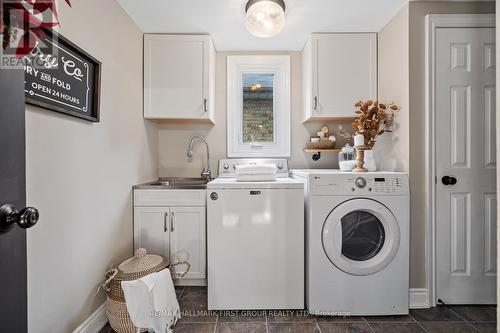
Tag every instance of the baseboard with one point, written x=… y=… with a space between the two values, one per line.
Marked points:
x=419 y=298
x=95 y=322
x=191 y=282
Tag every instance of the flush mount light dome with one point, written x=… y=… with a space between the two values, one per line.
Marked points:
x=265 y=18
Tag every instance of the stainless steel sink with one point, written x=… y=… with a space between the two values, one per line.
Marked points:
x=175 y=183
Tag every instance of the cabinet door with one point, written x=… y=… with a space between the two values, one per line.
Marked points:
x=151 y=230
x=176 y=76
x=344 y=71
x=188 y=240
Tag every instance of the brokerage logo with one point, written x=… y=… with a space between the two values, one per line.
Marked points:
x=24 y=27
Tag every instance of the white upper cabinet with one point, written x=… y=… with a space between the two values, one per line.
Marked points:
x=338 y=70
x=179 y=78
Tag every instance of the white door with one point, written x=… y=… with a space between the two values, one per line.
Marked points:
x=151 y=230
x=344 y=71
x=187 y=237
x=465 y=153
x=176 y=76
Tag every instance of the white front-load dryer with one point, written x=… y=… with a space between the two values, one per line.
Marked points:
x=357 y=242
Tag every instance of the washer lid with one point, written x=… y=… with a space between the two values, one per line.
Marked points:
x=361 y=236
x=231 y=183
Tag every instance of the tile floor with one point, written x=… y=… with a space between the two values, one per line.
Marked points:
x=453 y=319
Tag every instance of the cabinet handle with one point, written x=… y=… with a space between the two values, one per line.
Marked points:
x=172 y=222
x=316 y=103
x=165 y=219
x=205 y=108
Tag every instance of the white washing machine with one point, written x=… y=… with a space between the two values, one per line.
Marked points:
x=255 y=233
x=357 y=242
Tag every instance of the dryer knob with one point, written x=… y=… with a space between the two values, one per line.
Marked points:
x=360 y=182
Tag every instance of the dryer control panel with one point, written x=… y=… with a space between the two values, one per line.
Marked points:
x=388 y=184
x=359 y=184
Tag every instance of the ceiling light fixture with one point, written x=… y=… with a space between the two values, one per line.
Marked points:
x=265 y=18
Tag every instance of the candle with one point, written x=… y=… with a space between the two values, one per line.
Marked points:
x=359 y=140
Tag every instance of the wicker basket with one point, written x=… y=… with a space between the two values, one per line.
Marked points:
x=134 y=268
x=322 y=144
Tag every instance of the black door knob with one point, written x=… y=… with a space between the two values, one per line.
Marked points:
x=26 y=218
x=448 y=180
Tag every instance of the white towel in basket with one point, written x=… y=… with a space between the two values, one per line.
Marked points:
x=151 y=302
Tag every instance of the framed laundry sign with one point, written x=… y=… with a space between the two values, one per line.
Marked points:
x=61 y=77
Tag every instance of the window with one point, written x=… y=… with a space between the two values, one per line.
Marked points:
x=258 y=106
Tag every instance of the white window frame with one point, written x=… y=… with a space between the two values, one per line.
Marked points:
x=280 y=67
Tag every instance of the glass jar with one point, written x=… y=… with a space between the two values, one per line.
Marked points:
x=347 y=158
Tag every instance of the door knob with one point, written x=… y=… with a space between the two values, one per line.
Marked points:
x=448 y=180
x=26 y=218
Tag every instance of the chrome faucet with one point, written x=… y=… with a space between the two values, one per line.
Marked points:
x=204 y=173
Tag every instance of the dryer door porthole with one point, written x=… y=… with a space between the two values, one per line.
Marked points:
x=361 y=236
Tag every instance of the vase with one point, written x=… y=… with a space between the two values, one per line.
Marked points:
x=347 y=158
x=370 y=161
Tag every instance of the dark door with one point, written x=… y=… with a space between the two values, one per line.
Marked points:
x=13 y=294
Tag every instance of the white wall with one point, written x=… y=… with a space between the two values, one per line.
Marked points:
x=80 y=174
x=393 y=149
x=174 y=139
x=394 y=85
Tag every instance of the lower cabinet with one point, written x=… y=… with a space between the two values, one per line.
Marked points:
x=151 y=230
x=178 y=233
